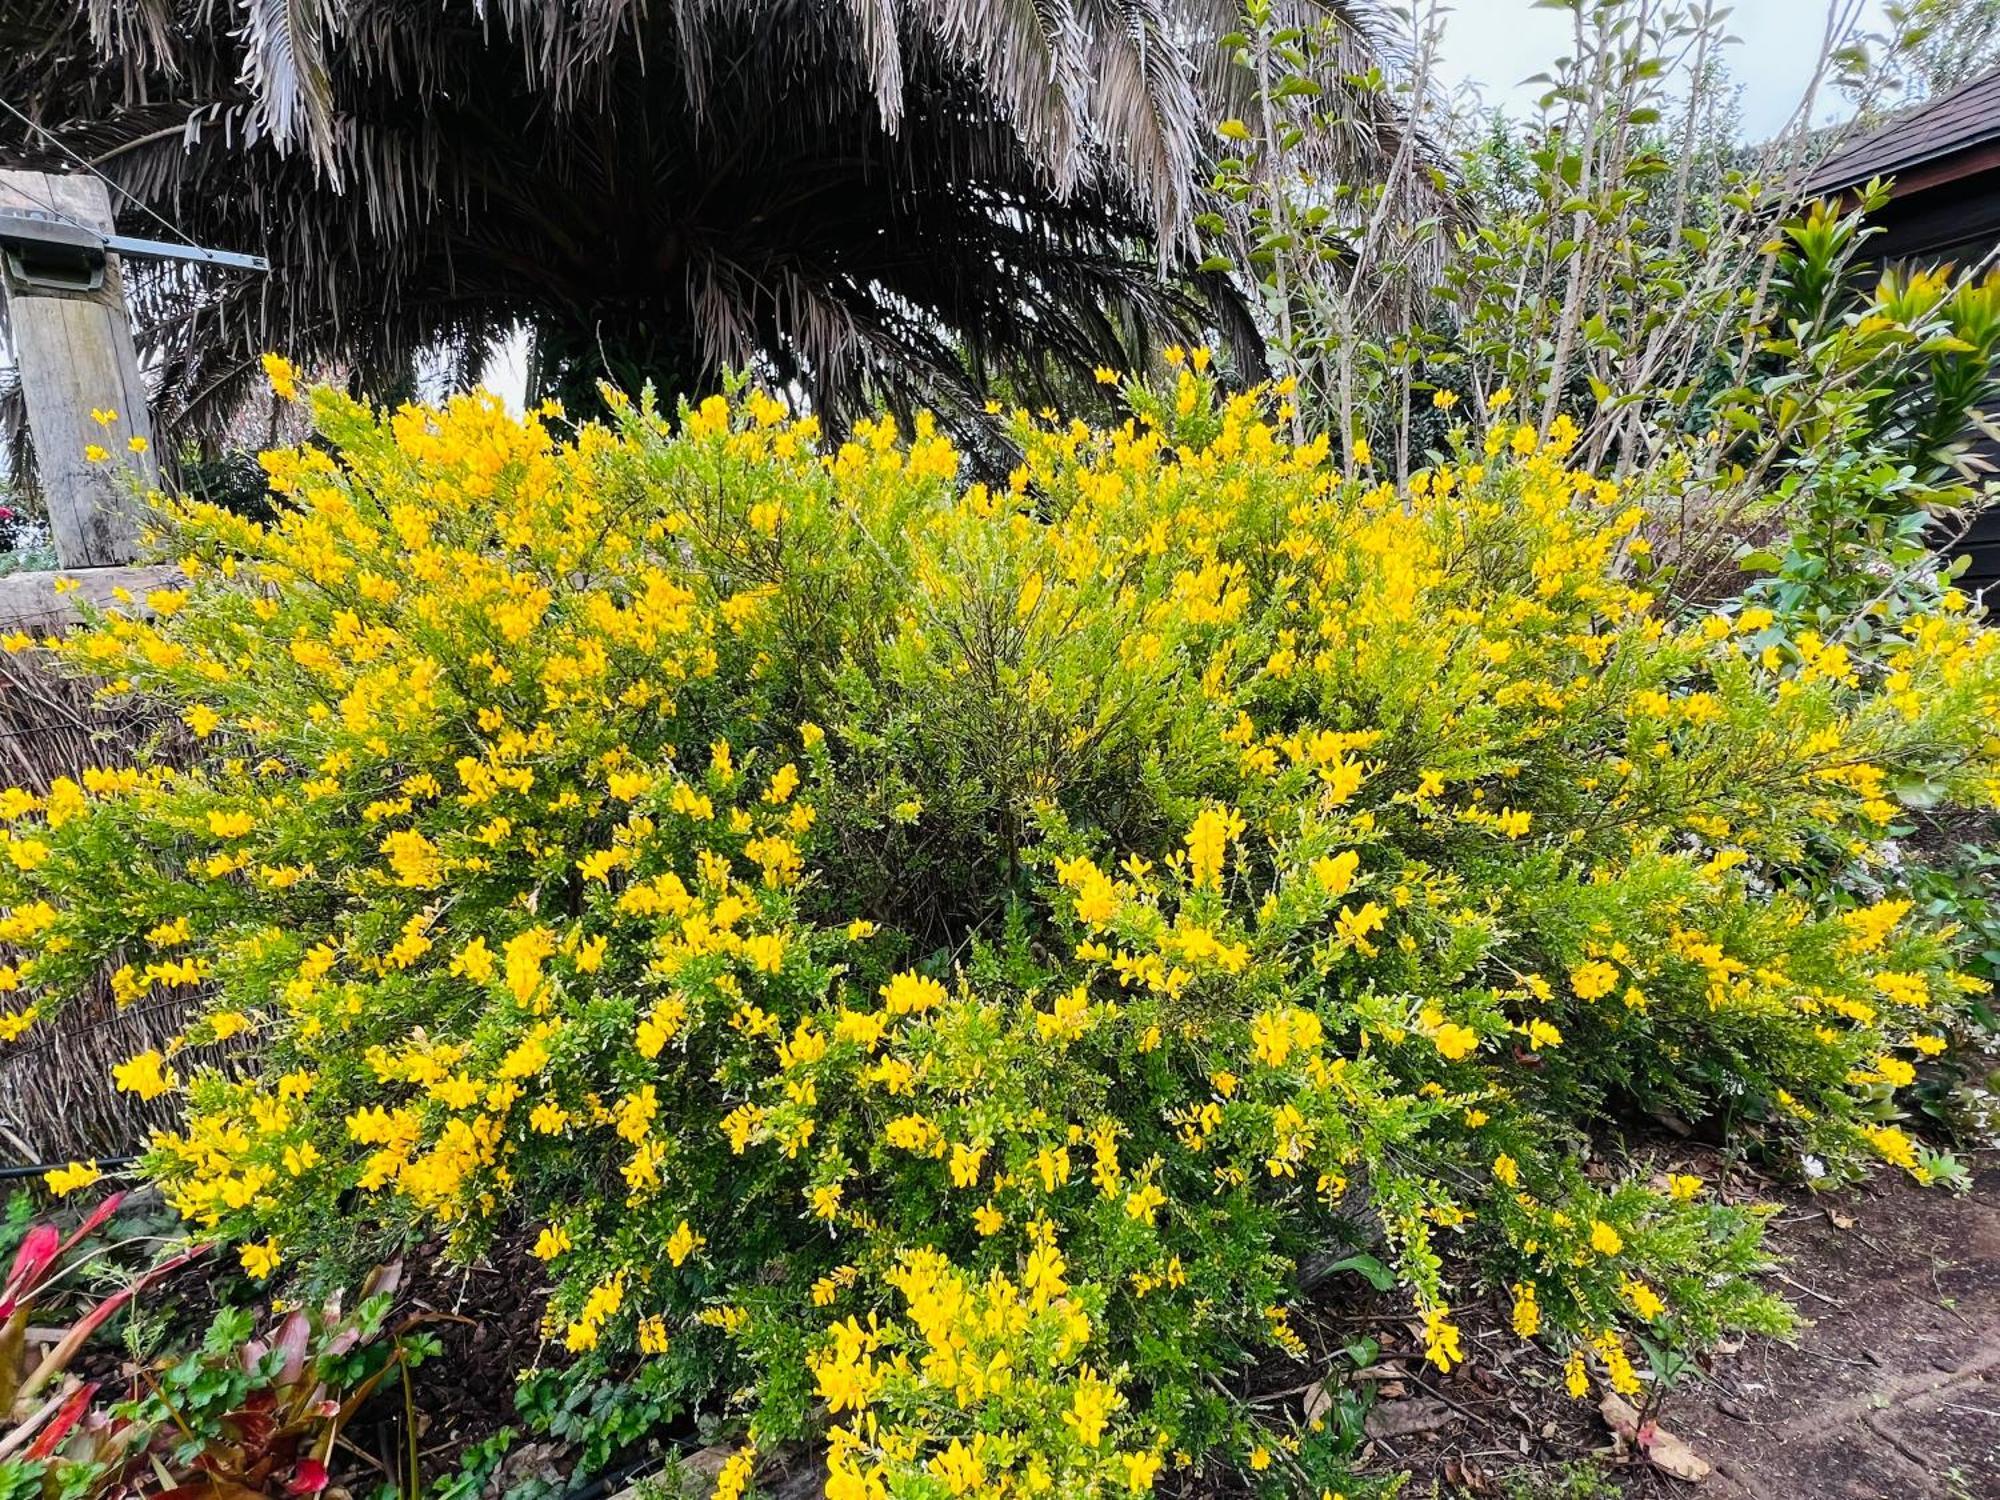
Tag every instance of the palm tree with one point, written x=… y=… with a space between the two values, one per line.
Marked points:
x=901 y=199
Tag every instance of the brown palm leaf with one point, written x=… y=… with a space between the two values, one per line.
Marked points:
x=913 y=200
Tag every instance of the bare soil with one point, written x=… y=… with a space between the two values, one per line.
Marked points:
x=1890 y=1391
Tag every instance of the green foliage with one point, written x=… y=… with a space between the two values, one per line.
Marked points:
x=1721 y=340
x=932 y=962
x=238 y=1413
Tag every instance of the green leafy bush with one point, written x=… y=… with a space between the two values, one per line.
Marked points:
x=930 y=961
x=237 y=1414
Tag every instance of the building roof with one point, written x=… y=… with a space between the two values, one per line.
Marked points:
x=1951 y=125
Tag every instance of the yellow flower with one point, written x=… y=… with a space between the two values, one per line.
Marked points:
x=910 y=993
x=1455 y=1042
x=27 y=854
x=1355 y=927
x=683 y=1242
x=284 y=379
x=63 y=1181
x=1441 y=1342
x=553 y=1241
x=1208 y=844
x=230 y=825
x=1527 y=1311
x=966 y=1161
x=1140 y=1470
x=137 y=443
x=95 y=453
x=1682 y=1186
x=144 y=1075
x=1576 y=1379
x=765 y=951
x=1143 y=1203
x=1593 y=979
x=1645 y=1301
x=1444 y=400
x=1604 y=1238
x=1894 y=1070
x=259 y=1260
x=474 y=961
x=653 y=1337
x=734 y=1479
x=1894 y=1146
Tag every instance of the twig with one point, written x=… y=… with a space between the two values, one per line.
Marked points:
x=1799 y=1286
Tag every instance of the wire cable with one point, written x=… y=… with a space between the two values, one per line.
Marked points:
x=57 y=214
x=101 y=175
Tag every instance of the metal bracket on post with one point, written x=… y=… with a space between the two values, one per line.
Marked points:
x=63 y=303
x=73 y=348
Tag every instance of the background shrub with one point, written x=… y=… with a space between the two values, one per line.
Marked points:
x=930 y=960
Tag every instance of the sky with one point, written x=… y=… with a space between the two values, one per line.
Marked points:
x=1498 y=43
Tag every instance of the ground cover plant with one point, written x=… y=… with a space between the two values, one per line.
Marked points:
x=232 y=1412
x=930 y=961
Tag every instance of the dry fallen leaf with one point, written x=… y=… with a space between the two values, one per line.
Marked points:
x=1469 y=1477
x=1317 y=1402
x=1388 y=1369
x=1654 y=1443
x=1392 y=1419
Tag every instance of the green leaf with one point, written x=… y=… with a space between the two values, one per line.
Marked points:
x=1367 y=1265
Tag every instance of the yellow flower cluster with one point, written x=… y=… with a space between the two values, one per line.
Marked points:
x=932 y=948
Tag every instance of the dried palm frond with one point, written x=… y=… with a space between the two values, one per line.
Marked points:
x=912 y=200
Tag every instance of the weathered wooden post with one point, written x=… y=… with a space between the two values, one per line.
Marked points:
x=72 y=339
x=62 y=304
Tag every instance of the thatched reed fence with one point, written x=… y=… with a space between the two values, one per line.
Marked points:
x=56 y=1097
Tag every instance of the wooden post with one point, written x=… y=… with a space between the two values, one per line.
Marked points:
x=75 y=356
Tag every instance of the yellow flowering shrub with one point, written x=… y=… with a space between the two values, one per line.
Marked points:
x=925 y=962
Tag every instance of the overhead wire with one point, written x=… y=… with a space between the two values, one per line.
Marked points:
x=101 y=175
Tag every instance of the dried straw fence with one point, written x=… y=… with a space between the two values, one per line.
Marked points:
x=56 y=1097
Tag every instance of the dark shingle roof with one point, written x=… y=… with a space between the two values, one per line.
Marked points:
x=1968 y=116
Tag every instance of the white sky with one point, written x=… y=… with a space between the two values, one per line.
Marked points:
x=1498 y=43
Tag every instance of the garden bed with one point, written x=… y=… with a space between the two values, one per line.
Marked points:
x=1889 y=1388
